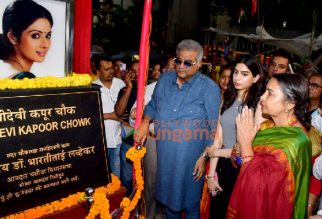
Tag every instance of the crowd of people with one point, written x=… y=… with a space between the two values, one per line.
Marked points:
x=257 y=130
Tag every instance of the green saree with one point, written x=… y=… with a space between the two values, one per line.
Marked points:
x=274 y=184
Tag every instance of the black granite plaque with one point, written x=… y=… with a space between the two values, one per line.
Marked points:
x=52 y=144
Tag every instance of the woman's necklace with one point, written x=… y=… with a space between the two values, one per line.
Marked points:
x=292 y=121
x=19 y=64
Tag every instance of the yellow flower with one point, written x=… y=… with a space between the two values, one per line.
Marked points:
x=46 y=82
x=125 y=203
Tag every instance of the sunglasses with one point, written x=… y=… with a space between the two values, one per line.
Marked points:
x=187 y=63
x=314 y=85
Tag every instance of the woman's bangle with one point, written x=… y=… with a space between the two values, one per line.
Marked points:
x=236 y=148
x=241 y=160
x=247 y=156
x=245 y=159
x=215 y=176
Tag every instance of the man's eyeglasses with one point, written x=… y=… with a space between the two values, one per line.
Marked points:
x=187 y=63
x=314 y=85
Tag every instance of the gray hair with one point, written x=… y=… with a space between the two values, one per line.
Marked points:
x=191 y=45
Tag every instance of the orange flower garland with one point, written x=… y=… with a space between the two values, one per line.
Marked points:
x=46 y=209
x=135 y=155
x=72 y=200
x=100 y=207
x=101 y=204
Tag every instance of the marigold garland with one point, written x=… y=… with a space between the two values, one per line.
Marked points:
x=45 y=82
x=101 y=204
x=135 y=155
x=72 y=200
x=100 y=207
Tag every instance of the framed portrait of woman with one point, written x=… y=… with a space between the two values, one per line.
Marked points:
x=56 y=60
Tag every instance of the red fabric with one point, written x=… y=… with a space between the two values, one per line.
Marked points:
x=144 y=59
x=254 y=7
x=205 y=198
x=315 y=184
x=82 y=36
x=262 y=190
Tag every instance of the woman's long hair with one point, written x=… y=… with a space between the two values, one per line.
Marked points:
x=17 y=17
x=296 y=90
x=254 y=92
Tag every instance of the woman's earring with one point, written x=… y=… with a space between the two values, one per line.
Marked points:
x=286 y=110
x=13 y=42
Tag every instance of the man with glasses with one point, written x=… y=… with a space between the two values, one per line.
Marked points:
x=184 y=107
x=315 y=91
x=110 y=88
x=280 y=63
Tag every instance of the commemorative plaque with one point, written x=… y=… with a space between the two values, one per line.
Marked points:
x=52 y=144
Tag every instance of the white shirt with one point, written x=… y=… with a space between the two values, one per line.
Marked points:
x=317 y=167
x=317 y=119
x=147 y=97
x=109 y=98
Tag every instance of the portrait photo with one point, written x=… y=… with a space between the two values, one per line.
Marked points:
x=43 y=46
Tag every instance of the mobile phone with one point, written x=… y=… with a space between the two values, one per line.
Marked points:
x=123 y=67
